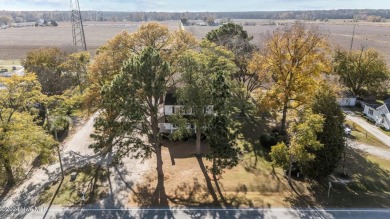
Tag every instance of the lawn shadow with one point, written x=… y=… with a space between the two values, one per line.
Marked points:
x=199 y=202
x=152 y=200
x=368 y=187
x=250 y=129
x=107 y=207
x=184 y=149
x=4 y=191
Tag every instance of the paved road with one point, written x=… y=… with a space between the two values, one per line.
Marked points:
x=179 y=213
x=74 y=152
x=369 y=127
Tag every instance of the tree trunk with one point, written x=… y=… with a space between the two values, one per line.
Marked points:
x=160 y=172
x=217 y=185
x=284 y=117
x=198 y=141
x=9 y=172
x=208 y=183
x=289 y=170
x=159 y=198
x=59 y=154
x=344 y=156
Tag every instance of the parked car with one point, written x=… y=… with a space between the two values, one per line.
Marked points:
x=347 y=130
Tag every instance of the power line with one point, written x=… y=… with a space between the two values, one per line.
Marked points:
x=77 y=26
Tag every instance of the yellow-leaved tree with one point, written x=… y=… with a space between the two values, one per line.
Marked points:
x=294 y=57
x=20 y=136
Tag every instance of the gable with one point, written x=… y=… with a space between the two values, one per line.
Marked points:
x=387 y=107
x=384 y=109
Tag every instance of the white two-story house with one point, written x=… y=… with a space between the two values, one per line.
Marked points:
x=171 y=107
x=380 y=114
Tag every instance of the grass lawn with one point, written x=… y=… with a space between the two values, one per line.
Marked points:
x=386 y=132
x=254 y=183
x=361 y=135
x=90 y=179
x=383 y=163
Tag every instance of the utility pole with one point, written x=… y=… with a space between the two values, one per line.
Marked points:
x=353 y=35
x=77 y=26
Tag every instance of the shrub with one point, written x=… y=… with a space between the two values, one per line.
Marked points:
x=269 y=139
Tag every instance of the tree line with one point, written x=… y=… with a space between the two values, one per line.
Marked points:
x=375 y=15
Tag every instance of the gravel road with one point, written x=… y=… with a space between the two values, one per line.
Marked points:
x=74 y=152
x=370 y=128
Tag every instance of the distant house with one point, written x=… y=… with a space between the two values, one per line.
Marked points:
x=380 y=114
x=40 y=22
x=5 y=74
x=170 y=108
x=347 y=99
x=201 y=23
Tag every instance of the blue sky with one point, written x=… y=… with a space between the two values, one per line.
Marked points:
x=198 y=5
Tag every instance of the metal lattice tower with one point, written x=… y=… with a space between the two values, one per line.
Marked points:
x=77 y=26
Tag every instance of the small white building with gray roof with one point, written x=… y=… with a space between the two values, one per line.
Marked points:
x=380 y=114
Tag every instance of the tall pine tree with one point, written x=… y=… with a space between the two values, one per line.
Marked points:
x=135 y=95
x=332 y=135
x=224 y=152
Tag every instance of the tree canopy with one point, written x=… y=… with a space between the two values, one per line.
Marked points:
x=332 y=136
x=19 y=134
x=294 y=57
x=134 y=95
x=302 y=142
x=47 y=64
x=194 y=93
x=360 y=71
x=236 y=39
x=111 y=56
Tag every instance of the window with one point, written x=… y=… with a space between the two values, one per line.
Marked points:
x=370 y=111
x=173 y=109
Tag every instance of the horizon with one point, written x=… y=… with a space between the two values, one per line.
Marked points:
x=198 y=11
x=194 y=6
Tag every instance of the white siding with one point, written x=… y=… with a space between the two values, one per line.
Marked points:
x=370 y=112
x=168 y=109
x=365 y=111
x=169 y=127
x=350 y=101
x=382 y=109
x=386 y=122
x=173 y=109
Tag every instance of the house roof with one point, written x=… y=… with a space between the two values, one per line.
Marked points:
x=347 y=94
x=373 y=105
x=170 y=99
x=388 y=106
x=387 y=101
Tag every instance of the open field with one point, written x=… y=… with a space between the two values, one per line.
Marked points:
x=14 y=42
